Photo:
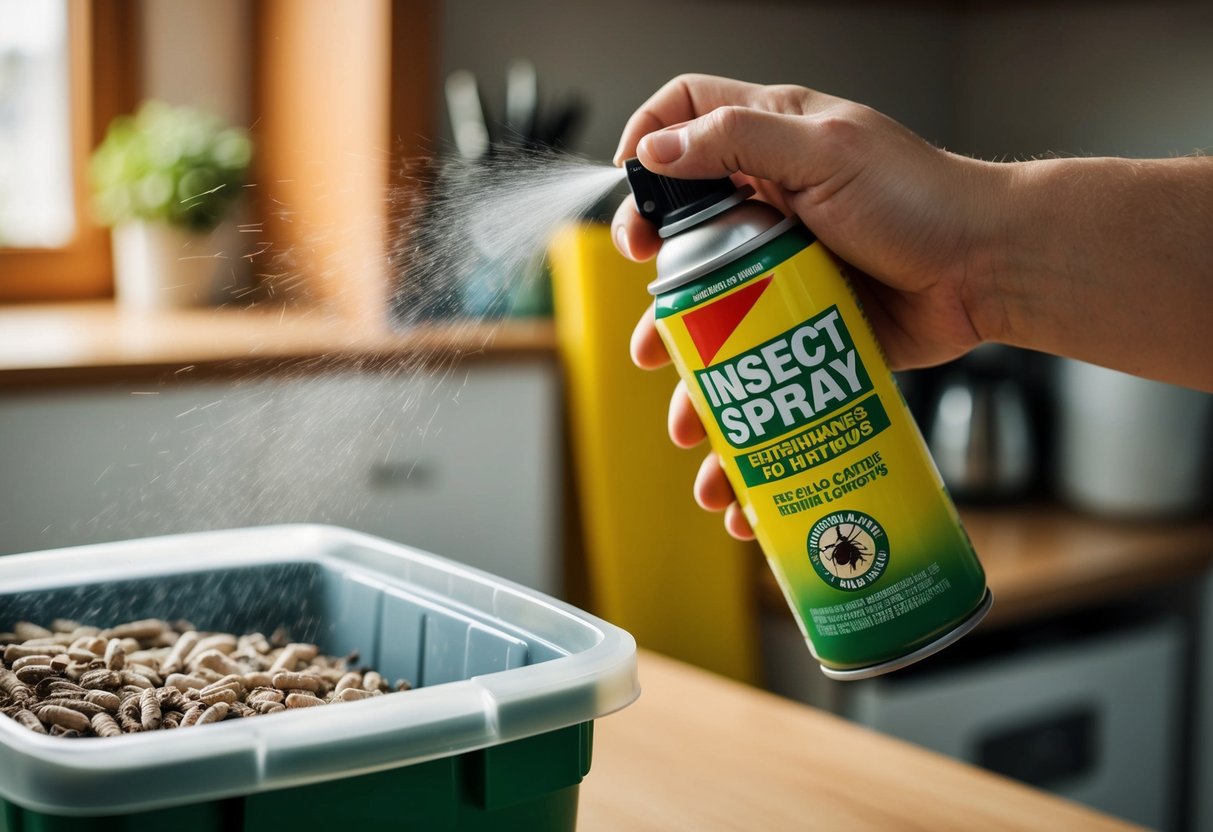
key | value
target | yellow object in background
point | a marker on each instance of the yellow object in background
(658, 565)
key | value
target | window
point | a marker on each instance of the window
(36, 208)
(66, 68)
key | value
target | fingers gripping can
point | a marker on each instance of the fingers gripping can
(810, 427)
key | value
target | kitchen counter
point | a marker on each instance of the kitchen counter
(61, 344)
(1043, 559)
(1039, 559)
(697, 751)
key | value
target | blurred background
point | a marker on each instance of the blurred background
(200, 328)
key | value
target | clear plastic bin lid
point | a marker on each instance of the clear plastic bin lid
(492, 662)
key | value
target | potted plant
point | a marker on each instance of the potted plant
(165, 179)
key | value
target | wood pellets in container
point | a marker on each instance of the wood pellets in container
(74, 680)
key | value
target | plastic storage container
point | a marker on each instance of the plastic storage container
(497, 734)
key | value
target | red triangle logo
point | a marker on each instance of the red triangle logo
(710, 326)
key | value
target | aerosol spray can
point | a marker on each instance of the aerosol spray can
(816, 440)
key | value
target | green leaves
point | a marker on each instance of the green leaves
(175, 164)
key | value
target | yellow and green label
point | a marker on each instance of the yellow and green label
(827, 463)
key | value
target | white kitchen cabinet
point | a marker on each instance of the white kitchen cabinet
(461, 463)
(89, 465)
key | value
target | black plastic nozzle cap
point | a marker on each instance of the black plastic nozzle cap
(664, 201)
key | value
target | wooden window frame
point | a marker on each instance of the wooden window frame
(368, 103)
(103, 56)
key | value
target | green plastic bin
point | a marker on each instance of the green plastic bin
(497, 735)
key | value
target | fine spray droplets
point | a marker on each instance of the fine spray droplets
(488, 222)
(458, 224)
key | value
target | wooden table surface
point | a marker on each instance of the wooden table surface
(699, 752)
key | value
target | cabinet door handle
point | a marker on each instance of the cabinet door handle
(405, 473)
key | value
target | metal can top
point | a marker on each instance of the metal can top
(713, 243)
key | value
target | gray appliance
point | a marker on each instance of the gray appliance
(1095, 719)
(980, 426)
(1130, 447)
(1203, 777)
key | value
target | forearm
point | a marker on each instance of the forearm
(1108, 261)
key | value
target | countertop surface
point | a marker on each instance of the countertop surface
(700, 752)
(1039, 558)
(1044, 558)
(94, 342)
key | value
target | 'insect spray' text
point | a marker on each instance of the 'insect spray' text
(785, 382)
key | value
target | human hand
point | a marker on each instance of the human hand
(918, 221)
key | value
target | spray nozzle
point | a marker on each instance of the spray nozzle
(674, 204)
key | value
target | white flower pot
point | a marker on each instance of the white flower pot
(161, 266)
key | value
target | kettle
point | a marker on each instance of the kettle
(981, 431)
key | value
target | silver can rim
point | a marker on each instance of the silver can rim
(664, 284)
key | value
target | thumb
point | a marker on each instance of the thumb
(734, 140)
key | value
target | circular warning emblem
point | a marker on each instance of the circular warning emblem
(848, 549)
